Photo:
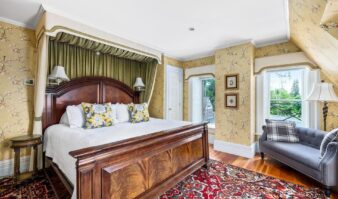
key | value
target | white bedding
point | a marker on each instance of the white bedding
(60, 139)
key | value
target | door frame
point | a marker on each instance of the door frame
(175, 69)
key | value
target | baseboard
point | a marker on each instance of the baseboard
(235, 149)
(211, 138)
(7, 166)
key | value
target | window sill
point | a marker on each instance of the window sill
(211, 126)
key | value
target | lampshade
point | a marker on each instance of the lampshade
(58, 73)
(323, 92)
(139, 82)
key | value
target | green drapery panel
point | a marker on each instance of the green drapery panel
(84, 61)
(99, 47)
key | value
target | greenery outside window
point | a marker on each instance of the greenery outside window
(285, 95)
(208, 100)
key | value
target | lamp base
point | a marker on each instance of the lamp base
(139, 89)
(325, 111)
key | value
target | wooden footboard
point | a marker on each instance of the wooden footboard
(142, 167)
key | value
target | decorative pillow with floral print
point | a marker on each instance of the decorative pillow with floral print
(138, 112)
(98, 115)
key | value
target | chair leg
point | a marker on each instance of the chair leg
(327, 191)
(262, 155)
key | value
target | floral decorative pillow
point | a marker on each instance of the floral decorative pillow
(138, 112)
(98, 115)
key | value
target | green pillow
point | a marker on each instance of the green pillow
(138, 112)
(97, 115)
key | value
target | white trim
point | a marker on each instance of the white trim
(236, 43)
(268, 43)
(16, 23)
(235, 149)
(211, 138)
(199, 71)
(282, 61)
(287, 18)
(7, 166)
(195, 56)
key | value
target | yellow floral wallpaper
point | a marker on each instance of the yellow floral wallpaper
(276, 49)
(156, 105)
(199, 62)
(308, 35)
(236, 125)
(17, 63)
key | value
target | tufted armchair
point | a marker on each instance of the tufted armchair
(305, 156)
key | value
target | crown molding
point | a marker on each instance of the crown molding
(16, 23)
(287, 18)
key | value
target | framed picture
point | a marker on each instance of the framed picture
(231, 100)
(231, 81)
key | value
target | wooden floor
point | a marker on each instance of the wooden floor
(268, 167)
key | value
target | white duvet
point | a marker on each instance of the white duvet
(60, 139)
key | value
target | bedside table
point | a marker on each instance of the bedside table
(23, 142)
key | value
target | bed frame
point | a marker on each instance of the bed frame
(140, 167)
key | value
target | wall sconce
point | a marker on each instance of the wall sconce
(58, 75)
(139, 85)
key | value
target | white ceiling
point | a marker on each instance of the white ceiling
(164, 24)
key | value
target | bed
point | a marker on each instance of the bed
(123, 161)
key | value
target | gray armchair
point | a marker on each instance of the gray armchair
(305, 156)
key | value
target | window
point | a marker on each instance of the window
(208, 100)
(281, 94)
(202, 100)
(285, 91)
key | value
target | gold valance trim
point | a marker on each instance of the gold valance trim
(57, 29)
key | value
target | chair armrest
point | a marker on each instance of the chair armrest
(263, 137)
(328, 165)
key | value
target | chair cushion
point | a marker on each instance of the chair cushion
(329, 137)
(304, 154)
(281, 131)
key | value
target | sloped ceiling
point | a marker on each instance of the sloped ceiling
(331, 12)
(329, 21)
(306, 32)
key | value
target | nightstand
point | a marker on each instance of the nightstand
(23, 142)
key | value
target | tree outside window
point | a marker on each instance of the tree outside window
(285, 95)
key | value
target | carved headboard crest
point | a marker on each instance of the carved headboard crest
(85, 89)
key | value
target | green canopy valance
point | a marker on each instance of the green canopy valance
(80, 58)
(98, 47)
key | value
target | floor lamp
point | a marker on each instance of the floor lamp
(323, 92)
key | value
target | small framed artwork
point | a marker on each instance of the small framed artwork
(231, 100)
(231, 81)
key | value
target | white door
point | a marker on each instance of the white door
(174, 91)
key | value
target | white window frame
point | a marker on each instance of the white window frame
(191, 105)
(310, 110)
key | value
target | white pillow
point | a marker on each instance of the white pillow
(122, 113)
(113, 109)
(76, 117)
(64, 119)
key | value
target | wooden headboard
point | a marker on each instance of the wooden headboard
(85, 89)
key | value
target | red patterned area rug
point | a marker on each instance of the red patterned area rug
(37, 188)
(226, 181)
